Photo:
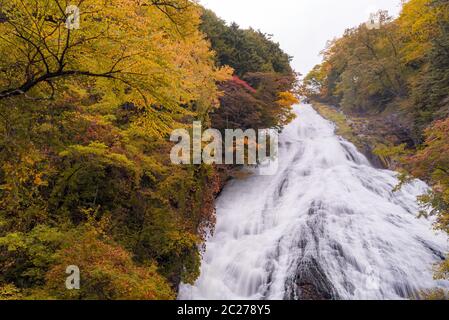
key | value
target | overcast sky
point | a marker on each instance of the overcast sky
(302, 27)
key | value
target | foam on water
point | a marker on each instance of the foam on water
(327, 223)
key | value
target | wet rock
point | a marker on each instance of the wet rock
(374, 159)
(310, 283)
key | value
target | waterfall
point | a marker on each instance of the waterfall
(328, 225)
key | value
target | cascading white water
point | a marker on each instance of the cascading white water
(327, 225)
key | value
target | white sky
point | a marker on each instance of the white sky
(302, 27)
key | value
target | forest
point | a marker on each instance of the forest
(85, 118)
(396, 77)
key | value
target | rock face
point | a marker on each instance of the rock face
(374, 159)
(377, 130)
(368, 131)
(310, 283)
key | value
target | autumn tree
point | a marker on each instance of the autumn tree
(84, 118)
(124, 49)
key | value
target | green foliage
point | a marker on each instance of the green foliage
(26, 256)
(263, 89)
(244, 50)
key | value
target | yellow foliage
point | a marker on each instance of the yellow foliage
(287, 99)
(138, 54)
(418, 23)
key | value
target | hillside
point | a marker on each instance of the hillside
(86, 114)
